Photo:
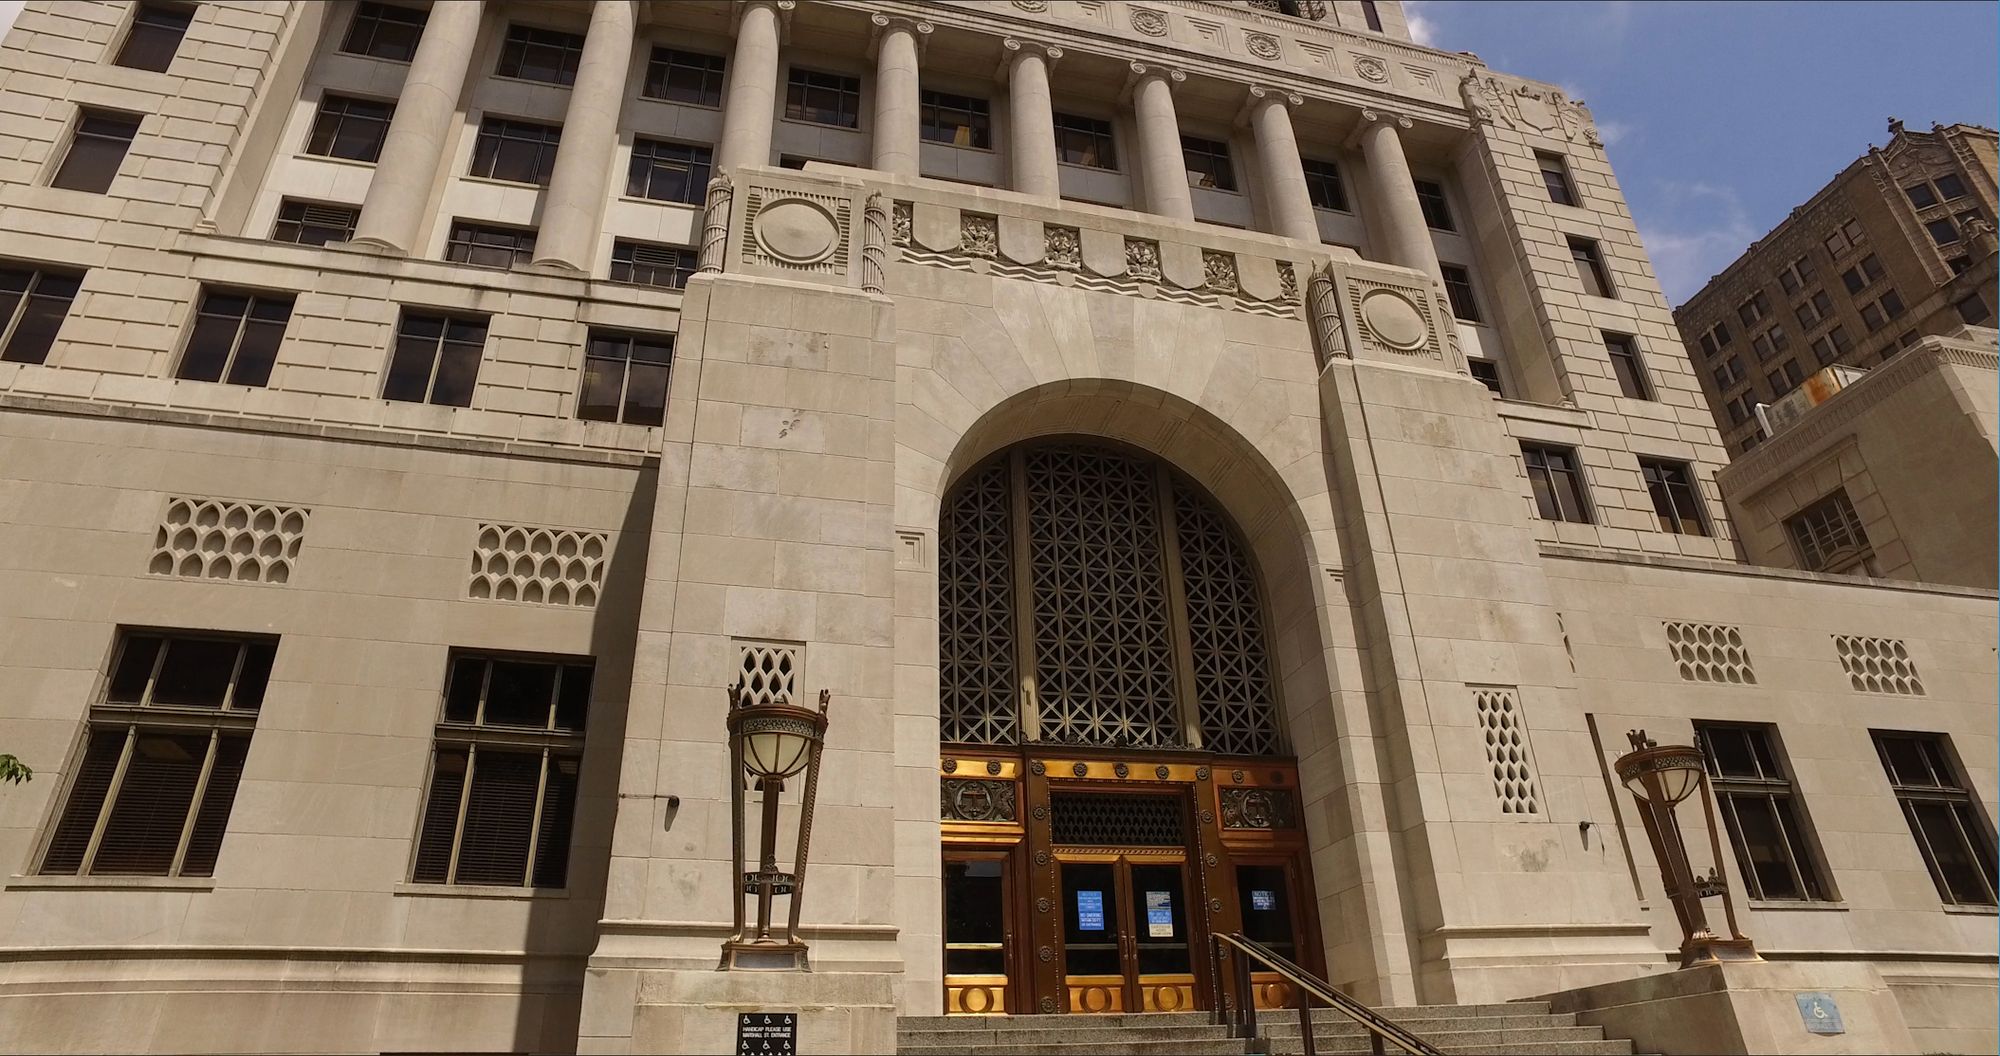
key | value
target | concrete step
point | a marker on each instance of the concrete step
(1095, 1046)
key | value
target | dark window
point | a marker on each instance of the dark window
(1937, 803)
(960, 120)
(1487, 373)
(96, 150)
(1458, 289)
(1972, 310)
(1084, 141)
(384, 31)
(540, 55)
(515, 151)
(1555, 176)
(1323, 185)
(1760, 808)
(823, 98)
(235, 337)
(156, 34)
(1437, 212)
(33, 303)
(644, 264)
(1675, 497)
(1829, 538)
(489, 245)
(684, 77)
(152, 793)
(1950, 186)
(1371, 15)
(1920, 195)
(1557, 483)
(1207, 163)
(436, 359)
(1590, 268)
(625, 378)
(353, 129)
(668, 172)
(504, 772)
(1943, 231)
(1625, 365)
(308, 224)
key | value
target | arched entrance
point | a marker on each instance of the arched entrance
(1116, 779)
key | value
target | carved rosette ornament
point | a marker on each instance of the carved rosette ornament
(874, 244)
(1142, 259)
(1062, 247)
(1219, 271)
(976, 800)
(1257, 808)
(715, 223)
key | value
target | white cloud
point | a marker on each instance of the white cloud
(1422, 29)
(1686, 255)
(9, 10)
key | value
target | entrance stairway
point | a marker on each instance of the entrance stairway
(1519, 1027)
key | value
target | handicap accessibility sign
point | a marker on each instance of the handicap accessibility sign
(1820, 1014)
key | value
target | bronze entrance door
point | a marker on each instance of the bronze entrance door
(1128, 943)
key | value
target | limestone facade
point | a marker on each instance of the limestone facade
(848, 341)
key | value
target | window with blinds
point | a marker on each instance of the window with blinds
(504, 772)
(151, 794)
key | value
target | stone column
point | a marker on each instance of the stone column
(573, 207)
(1290, 204)
(753, 86)
(415, 145)
(897, 96)
(1406, 239)
(1031, 152)
(1160, 155)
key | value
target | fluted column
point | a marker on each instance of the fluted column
(573, 208)
(1031, 151)
(1160, 156)
(1284, 172)
(1406, 239)
(415, 144)
(753, 86)
(897, 95)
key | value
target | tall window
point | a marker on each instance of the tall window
(1458, 290)
(1557, 483)
(1625, 366)
(515, 151)
(823, 98)
(489, 245)
(1207, 163)
(96, 150)
(1937, 803)
(1829, 537)
(1555, 177)
(669, 172)
(151, 795)
(436, 359)
(1590, 268)
(1323, 185)
(540, 55)
(1437, 211)
(33, 303)
(312, 224)
(1084, 141)
(236, 337)
(960, 120)
(351, 129)
(504, 772)
(1676, 500)
(156, 34)
(385, 31)
(1760, 808)
(684, 77)
(625, 378)
(647, 264)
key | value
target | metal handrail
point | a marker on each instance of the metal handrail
(1242, 1012)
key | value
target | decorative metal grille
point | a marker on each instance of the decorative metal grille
(976, 676)
(1099, 819)
(1232, 672)
(1104, 659)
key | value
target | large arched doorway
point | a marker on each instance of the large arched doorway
(1117, 783)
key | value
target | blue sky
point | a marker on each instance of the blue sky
(1720, 117)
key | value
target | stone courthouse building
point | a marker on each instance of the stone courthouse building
(1225, 460)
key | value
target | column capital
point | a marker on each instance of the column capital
(885, 24)
(1016, 49)
(783, 8)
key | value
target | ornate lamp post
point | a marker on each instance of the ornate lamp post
(1660, 777)
(768, 743)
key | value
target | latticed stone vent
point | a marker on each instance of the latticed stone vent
(769, 673)
(1710, 652)
(220, 539)
(542, 566)
(1878, 665)
(1506, 750)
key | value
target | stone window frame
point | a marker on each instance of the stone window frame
(1765, 782)
(935, 110)
(331, 118)
(1676, 495)
(1460, 294)
(491, 146)
(522, 42)
(153, 35)
(626, 255)
(242, 343)
(598, 346)
(653, 161)
(1935, 778)
(710, 73)
(299, 213)
(21, 311)
(1098, 133)
(372, 18)
(94, 130)
(1325, 186)
(1627, 366)
(805, 83)
(1557, 180)
(432, 352)
(473, 242)
(1570, 500)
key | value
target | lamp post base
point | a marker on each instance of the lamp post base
(764, 957)
(1709, 949)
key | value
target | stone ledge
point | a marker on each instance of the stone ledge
(1730, 568)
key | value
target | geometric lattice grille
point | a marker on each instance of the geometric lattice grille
(1102, 819)
(1878, 665)
(976, 679)
(1232, 673)
(1710, 652)
(1506, 751)
(1104, 658)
